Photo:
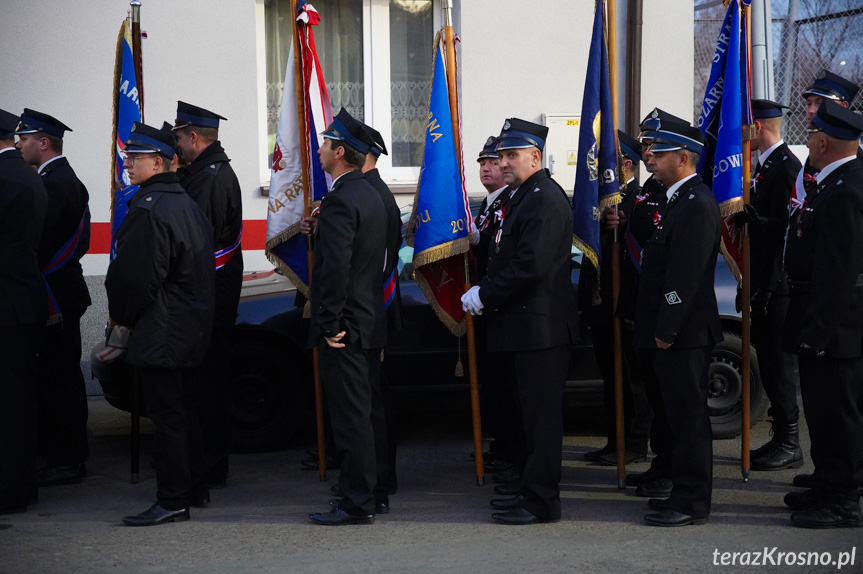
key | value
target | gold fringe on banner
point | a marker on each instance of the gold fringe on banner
(277, 240)
(456, 328)
(439, 252)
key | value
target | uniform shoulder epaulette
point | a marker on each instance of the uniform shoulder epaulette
(149, 201)
(212, 168)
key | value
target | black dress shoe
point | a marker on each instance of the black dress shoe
(831, 516)
(505, 477)
(510, 489)
(670, 517)
(659, 488)
(381, 507)
(156, 515)
(805, 481)
(507, 503)
(57, 475)
(520, 517)
(593, 455)
(339, 516)
(200, 499)
(806, 499)
(658, 504)
(312, 463)
(637, 478)
(498, 466)
(629, 457)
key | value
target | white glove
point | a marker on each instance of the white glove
(470, 301)
(474, 232)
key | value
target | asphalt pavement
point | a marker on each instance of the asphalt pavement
(440, 519)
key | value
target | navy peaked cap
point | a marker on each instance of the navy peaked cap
(348, 130)
(516, 134)
(189, 115)
(147, 139)
(378, 147)
(629, 147)
(833, 87)
(8, 124)
(33, 121)
(489, 149)
(764, 109)
(838, 121)
(655, 119)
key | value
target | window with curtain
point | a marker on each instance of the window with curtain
(348, 51)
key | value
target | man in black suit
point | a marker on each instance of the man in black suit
(600, 314)
(210, 181)
(677, 321)
(62, 394)
(529, 304)
(161, 285)
(348, 316)
(824, 326)
(767, 216)
(23, 312)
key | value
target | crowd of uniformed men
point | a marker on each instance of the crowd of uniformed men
(175, 283)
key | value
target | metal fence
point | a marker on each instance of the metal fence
(808, 37)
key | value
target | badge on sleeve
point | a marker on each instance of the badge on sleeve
(673, 298)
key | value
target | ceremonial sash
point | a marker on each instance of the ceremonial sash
(634, 249)
(224, 255)
(61, 258)
(798, 194)
(390, 289)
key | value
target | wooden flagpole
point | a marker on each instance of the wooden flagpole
(746, 279)
(452, 89)
(136, 52)
(299, 84)
(620, 433)
(136, 383)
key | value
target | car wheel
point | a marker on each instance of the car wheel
(267, 398)
(725, 388)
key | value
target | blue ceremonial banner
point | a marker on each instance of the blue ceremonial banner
(597, 183)
(441, 215)
(725, 109)
(127, 111)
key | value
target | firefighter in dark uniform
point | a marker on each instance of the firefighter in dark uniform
(23, 312)
(161, 284)
(677, 320)
(636, 410)
(499, 402)
(767, 216)
(62, 393)
(824, 326)
(348, 315)
(833, 87)
(529, 303)
(210, 181)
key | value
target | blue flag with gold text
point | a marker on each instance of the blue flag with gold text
(597, 183)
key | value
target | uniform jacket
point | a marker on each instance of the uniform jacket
(770, 191)
(67, 204)
(162, 280)
(350, 239)
(527, 293)
(676, 300)
(825, 253)
(211, 182)
(641, 210)
(394, 241)
(486, 221)
(23, 203)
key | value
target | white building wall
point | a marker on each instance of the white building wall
(517, 59)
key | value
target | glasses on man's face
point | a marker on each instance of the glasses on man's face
(130, 159)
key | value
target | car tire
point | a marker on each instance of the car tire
(267, 397)
(725, 386)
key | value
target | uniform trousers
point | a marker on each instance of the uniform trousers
(18, 344)
(832, 391)
(62, 394)
(345, 377)
(661, 437)
(499, 403)
(540, 377)
(382, 417)
(214, 404)
(177, 449)
(682, 378)
(773, 362)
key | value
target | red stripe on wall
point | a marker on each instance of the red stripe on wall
(254, 235)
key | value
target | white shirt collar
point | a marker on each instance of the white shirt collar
(822, 175)
(763, 157)
(492, 196)
(340, 177)
(7, 148)
(42, 167)
(630, 180)
(677, 185)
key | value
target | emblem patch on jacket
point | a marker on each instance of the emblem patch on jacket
(673, 298)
